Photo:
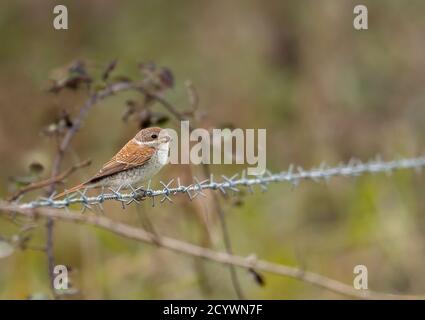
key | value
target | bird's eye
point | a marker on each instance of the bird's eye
(154, 136)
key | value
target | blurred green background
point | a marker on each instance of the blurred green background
(324, 91)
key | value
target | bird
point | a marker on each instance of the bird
(138, 161)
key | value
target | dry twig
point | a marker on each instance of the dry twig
(47, 182)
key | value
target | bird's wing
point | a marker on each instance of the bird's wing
(130, 156)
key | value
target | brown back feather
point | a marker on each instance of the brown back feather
(130, 156)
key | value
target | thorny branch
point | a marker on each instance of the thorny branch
(249, 263)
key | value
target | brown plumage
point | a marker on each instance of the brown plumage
(140, 159)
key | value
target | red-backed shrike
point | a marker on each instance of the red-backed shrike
(138, 161)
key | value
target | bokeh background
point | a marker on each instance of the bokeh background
(324, 91)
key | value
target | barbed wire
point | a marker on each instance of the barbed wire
(225, 184)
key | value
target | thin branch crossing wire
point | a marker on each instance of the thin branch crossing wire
(225, 184)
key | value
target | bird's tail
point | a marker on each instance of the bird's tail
(80, 186)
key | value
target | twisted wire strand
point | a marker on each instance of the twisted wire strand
(353, 168)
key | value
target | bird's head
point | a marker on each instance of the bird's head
(152, 137)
